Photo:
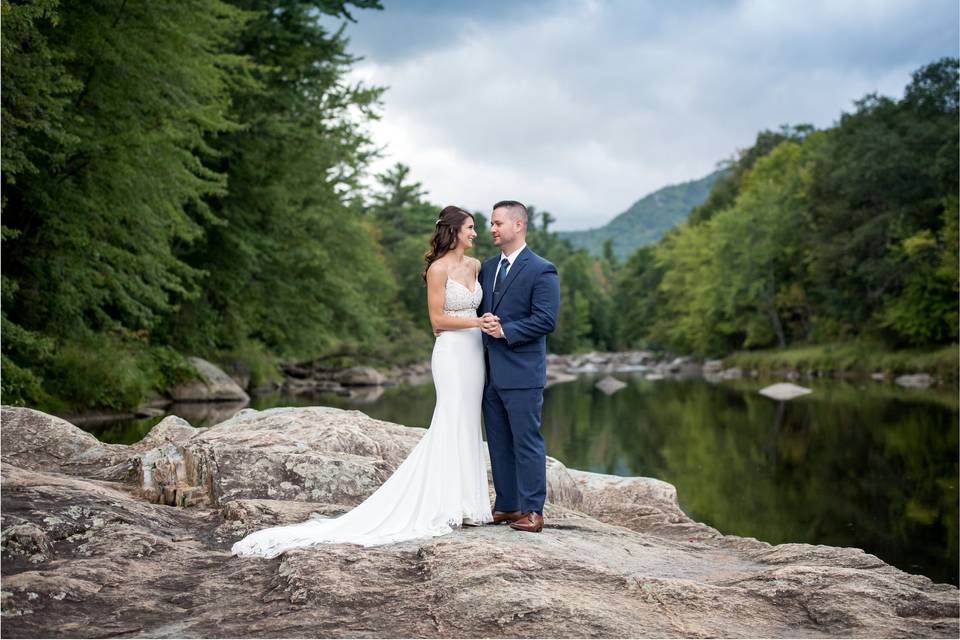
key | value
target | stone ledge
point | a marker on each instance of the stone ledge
(88, 556)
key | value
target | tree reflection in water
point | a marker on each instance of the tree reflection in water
(845, 466)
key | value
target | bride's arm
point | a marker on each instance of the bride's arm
(436, 295)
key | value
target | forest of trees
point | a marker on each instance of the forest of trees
(816, 236)
(189, 179)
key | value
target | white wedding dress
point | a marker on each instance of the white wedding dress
(443, 481)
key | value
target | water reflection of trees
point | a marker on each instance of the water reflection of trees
(873, 472)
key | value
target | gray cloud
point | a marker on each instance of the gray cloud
(583, 106)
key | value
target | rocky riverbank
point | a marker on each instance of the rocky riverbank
(311, 378)
(656, 366)
(133, 540)
(216, 396)
(363, 382)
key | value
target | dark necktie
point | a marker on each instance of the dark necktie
(501, 274)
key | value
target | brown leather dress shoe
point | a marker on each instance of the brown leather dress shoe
(499, 517)
(532, 522)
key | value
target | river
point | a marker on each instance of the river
(853, 464)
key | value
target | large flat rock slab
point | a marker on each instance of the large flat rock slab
(85, 556)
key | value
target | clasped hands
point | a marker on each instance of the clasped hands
(490, 325)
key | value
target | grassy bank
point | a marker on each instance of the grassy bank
(852, 357)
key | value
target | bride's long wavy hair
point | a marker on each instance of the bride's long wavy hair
(444, 235)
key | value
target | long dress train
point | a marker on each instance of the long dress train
(442, 482)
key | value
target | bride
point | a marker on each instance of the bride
(443, 482)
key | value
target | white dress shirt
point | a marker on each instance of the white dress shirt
(510, 259)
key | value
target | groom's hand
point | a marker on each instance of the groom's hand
(490, 325)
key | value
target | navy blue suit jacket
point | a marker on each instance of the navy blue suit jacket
(528, 305)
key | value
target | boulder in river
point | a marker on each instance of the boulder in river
(361, 377)
(214, 385)
(784, 391)
(915, 381)
(610, 385)
(712, 366)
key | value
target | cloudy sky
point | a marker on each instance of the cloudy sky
(581, 107)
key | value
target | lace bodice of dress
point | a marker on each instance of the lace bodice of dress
(460, 301)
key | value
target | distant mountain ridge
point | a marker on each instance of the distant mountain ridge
(647, 220)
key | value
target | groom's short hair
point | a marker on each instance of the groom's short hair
(516, 209)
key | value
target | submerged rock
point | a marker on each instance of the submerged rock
(784, 391)
(915, 381)
(88, 556)
(610, 385)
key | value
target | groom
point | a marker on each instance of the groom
(521, 298)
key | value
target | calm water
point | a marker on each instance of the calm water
(861, 465)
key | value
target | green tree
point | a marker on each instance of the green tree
(690, 319)
(405, 222)
(483, 247)
(587, 319)
(288, 264)
(728, 185)
(925, 310)
(638, 294)
(849, 232)
(881, 178)
(759, 246)
(573, 323)
(107, 108)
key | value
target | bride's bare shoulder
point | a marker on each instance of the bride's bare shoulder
(475, 264)
(437, 269)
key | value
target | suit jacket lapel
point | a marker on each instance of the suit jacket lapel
(487, 284)
(517, 267)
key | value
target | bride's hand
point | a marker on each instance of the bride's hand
(489, 323)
